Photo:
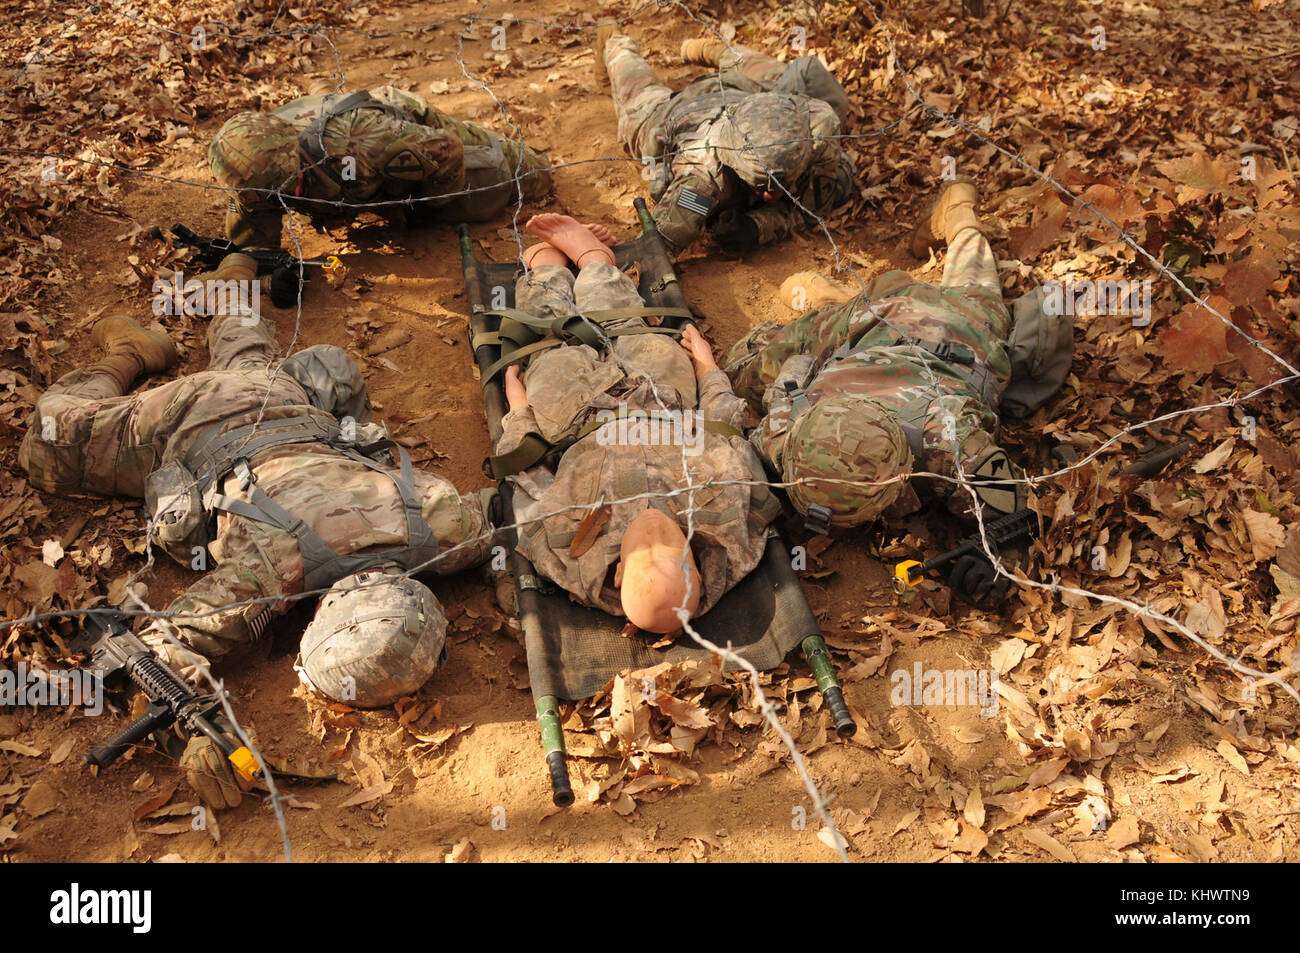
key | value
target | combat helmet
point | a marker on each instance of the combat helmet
(766, 136)
(376, 637)
(846, 437)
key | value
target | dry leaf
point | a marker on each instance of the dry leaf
(589, 530)
(1122, 833)
(372, 793)
(1050, 844)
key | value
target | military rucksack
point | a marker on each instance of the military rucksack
(1041, 349)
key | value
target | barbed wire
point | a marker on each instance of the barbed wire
(961, 479)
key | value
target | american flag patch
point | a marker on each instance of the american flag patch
(694, 202)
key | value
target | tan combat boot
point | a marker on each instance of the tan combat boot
(705, 51)
(234, 267)
(131, 350)
(603, 32)
(953, 210)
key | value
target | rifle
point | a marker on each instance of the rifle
(118, 655)
(281, 266)
(1020, 525)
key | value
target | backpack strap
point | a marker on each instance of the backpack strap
(311, 140)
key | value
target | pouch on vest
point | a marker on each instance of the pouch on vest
(171, 498)
(1041, 349)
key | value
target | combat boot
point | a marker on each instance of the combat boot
(131, 350)
(603, 32)
(234, 267)
(953, 210)
(704, 51)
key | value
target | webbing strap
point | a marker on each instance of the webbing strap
(528, 350)
(532, 449)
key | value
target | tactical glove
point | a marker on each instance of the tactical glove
(211, 775)
(974, 577)
(735, 232)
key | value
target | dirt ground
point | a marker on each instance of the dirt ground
(1165, 755)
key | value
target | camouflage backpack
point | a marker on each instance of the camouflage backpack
(1041, 349)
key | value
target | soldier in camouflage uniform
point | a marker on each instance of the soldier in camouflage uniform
(860, 394)
(90, 435)
(634, 567)
(321, 154)
(726, 155)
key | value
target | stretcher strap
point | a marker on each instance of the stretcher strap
(528, 350)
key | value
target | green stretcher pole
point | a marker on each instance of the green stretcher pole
(819, 660)
(643, 213)
(548, 719)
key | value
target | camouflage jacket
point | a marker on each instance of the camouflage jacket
(428, 154)
(934, 357)
(729, 521)
(693, 185)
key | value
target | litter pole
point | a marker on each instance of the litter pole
(819, 660)
(548, 719)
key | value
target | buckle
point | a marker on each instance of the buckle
(818, 520)
(244, 472)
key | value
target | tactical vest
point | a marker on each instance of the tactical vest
(184, 498)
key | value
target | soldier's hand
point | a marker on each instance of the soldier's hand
(211, 775)
(974, 577)
(735, 232)
(699, 350)
(516, 393)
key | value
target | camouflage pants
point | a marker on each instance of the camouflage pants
(563, 382)
(87, 436)
(640, 96)
(970, 269)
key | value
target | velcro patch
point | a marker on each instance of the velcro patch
(693, 201)
(404, 165)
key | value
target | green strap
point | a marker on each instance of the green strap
(531, 450)
(485, 339)
(517, 355)
(620, 314)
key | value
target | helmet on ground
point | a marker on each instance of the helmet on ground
(766, 137)
(847, 437)
(255, 150)
(331, 378)
(376, 637)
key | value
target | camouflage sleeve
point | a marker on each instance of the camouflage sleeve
(831, 176)
(515, 425)
(410, 155)
(254, 222)
(205, 617)
(815, 333)
(955, 425)
(682, 211)
(239, 340)
(718, 402)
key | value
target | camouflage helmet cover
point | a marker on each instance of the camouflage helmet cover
(846, 437)
(766, 134)
(254, 150)
(376, 637)
(331, 378)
